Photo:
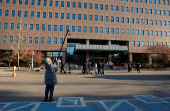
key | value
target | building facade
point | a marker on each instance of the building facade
(99, 28)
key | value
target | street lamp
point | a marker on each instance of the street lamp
(67, 33)
(32, 59)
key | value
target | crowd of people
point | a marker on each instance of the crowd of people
(88, 67)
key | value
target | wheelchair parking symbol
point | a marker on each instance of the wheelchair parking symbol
(71, 102)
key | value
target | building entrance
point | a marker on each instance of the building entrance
(97, 59)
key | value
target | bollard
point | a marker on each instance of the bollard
(14, 74)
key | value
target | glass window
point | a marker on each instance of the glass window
(0, 25)
(143, 44)
(37, 26)
(141, 10)
(156, 33)
(91, 6)
(31, 26)
(107, 18)
(13, 13)
(85, 29)
(25, 14)
(147, 33)
(4, 39)
(138, 43)
(101, 18)
(74, 4)
(90, 29)
(122, 19)
(55, 40)
(25, 26)
(43, 27)
(101, 30)
(161, 43)
(36, 40)
(42, 40)
(150, 1)
(131, 9)
(45, 3)
(117, 30)
(18, 26)
(111, 7)
(163, 12)
(19, 13)
(61, 40)
(165, 44)
(32, 2)
(164, 23)
(121, 8)
(14, 1)
(55, 27)
(96, 29)
(137, 21)
(85, 17)
(151, 22)
(68, 4)
(90, 17)
(163, 2)
(132, 20)
(32, 14)
(155, 22)
(117, 8)
(101, 6)
(136, 10)
(165, 34)
(137, 32)
(106, 7)
(117, 19)
(160, 23)
(159, 12)
(154, 1)
(5, 25)
(127, 9)
(50, 15)
(123, 31)
(61, 27)
(107, 30)
(146, 11)
(145, 1)
(20, 1)
(30, 39)
(96, 6)
(56, 15)
(0, 12)
(85, 5)
(62, 15)
(141, 21)
(17, 39)
(168, 13)
(39, 2)
(38, 14)
(133, 43)
(168, 23)
(151, 32)
(67, 28)
(73, 28)
(44, 14)
(68, 16)
(49, 40)
(127, 31)
(24, 39)
(56, 3)
(127, 20)
(132, 31)
(11, 39)
(167, 2)
(12, 25)
(142, 32)
(79, 5)
(146, 21)
(79, 28)
(6, 12)
(79, 16)
(169, 34)
(73, 16)
(147, 43)
(154, 12)
(150, 11)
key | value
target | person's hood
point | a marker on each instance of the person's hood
(48, 61)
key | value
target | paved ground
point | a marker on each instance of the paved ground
(116, 90)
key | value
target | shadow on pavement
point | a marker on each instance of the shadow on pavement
(134, 77)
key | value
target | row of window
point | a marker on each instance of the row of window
(90, 29)
(68, 4)
(50, 14)
(147, 44)
(30, 40)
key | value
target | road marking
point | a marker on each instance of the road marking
(104, 106)
(136, 108)
(5, 106)
(35, 107)
(21, 107)
(115, 105)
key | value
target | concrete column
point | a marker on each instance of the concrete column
(109, 56)
(109, 42)
(87, 56)
(64, 57)
(87, 42)
(129, 57)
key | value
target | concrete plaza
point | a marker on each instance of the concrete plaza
(114, 85)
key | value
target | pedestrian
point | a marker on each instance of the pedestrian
(89, 67)
(129, 68)
(50, 79)
(103, 68)
(62, 67)
(84, 68)
(95, 68)
(99, 67)
(70, 67)
(138, 67)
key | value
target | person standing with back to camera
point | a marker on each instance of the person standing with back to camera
(50, 79)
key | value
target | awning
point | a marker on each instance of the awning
(84, 47)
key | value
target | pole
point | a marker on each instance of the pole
(32, 62)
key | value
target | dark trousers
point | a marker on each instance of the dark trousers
(99, 71)
(51, 89)
(138, 69)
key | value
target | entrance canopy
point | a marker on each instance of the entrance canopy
(84, 47)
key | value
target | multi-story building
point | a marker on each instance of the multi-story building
(99, 28)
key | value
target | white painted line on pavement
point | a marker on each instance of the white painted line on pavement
(36, 106)
(5, 106)
(136, 108)
(21, 107)
(115, 105)
(104, 106)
